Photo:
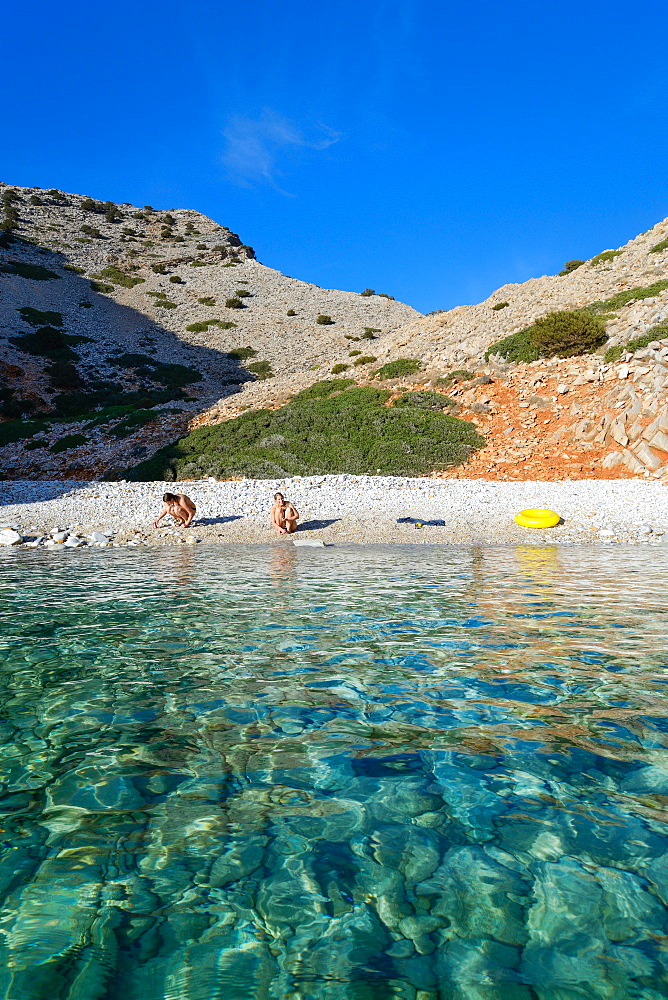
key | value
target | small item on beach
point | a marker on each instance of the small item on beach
(416, 522)
(309, 543)
(537, 517)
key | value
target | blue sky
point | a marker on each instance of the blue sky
(430, 150)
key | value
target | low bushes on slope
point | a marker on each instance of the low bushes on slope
(560, 334)
(659, 332)
(334, 426)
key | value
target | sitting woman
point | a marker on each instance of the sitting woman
(284, 515)
(180, 507)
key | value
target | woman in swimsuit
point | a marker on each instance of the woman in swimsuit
(181, 508)
(284, 515)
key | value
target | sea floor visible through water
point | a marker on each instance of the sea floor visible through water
(352, 773)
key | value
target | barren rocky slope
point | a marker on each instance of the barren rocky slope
(127, 291)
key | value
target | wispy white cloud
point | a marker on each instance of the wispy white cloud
(255, 147)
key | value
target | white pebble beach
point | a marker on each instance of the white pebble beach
(336, 509)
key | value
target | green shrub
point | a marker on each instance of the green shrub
(324, 320)
(176, 280)
(241, 353)
(365, 360)
(19, 430)
(73, 267)
(570, 266)
(243, 293)
(368, 291)
(230, 263)
(35, 200)
(660, 247)
(399, 368)
(159, 268)
(158, 371)
(199, 263)
(31, 271)
(234, 303)
(38, 318)
(500, 305)
(67, 442)
(605, 256)
(332, 427)
(658, 332)
(101, 286)
(90, 205)
(369, 333)
(33, 445)
(337, 369)
(113, 214)
(164, 303)
(561, 334)
(623, 298)
(353, 354)
(119, 277)
(91, 231)
(458, 375)
(204, 325)
(261, 370)
(207, 300)
(384, 295)
(291, 312)
(424, 400)
(129, 424)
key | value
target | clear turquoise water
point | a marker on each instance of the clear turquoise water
(431, 774)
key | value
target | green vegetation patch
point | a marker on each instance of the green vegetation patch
(560, 334)
(324, 320)
(606, 255)
(134, 420)
(623, 298)
(32, 271)
(399, 368)
(458, 375)
(424, 400)
(370, 333)
(234, 303)
(101, 286)
(337, 369)
(332, 427)
(365, 359)
(500, 305)
(241, 353)
(157, 371)
(119, 277)
(37, 317)
(19, 430)
(261, 370)
(659, 332)
(204, 325)
(660, 247)
(207, 300)
(571, 265)
(67, 442)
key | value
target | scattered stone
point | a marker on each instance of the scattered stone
(10, 537)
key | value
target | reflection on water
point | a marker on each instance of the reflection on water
(428, 774)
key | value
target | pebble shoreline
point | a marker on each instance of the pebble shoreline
(336, 509)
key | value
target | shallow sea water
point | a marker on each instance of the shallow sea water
(262, 772)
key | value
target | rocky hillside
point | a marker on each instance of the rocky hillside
(119, 324)
(123, 328)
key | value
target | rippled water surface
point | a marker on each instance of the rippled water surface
(421, 773)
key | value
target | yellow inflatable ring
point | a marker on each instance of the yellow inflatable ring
(537, 518)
